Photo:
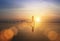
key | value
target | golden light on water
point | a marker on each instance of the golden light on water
(52, 35)
(6, 35)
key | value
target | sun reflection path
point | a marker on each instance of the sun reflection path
(35, 22)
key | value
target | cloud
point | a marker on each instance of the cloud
(19, 3)
(25, 7)
(6, 4)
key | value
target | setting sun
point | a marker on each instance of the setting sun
(37, 19)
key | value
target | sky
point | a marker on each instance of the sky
(26, 8)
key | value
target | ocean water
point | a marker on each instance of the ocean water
(43, 32)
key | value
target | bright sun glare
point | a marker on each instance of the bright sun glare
(37, 19)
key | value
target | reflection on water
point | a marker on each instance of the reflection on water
(22, 32)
